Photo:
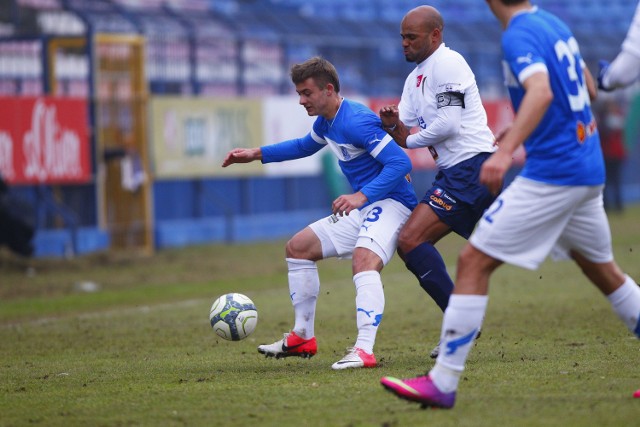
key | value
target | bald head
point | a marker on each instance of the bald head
(421, 31)
(426, 17)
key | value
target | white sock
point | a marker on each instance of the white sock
(369, 308)
(304, 287)
(460, 325)
(626, 303)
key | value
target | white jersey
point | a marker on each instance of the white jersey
(631, 43)
(625, 68)
(442, 98)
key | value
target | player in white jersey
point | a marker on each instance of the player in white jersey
(441, 97)
(625, 68)
(555, 204)
(364, 225)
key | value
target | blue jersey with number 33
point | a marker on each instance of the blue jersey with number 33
(565, 147)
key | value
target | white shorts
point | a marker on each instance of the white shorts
(376, 227)
(531, 219)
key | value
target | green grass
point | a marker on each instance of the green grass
(140, 351)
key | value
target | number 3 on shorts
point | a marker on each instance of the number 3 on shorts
(374, 215)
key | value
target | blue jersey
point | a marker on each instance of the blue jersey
(369, 158)
(565, 147)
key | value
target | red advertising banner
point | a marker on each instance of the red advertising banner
(44, 140)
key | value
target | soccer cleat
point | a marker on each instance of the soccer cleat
(435, 352)
(637, 393)
(356, 358)
(419, 389)
(290, 345)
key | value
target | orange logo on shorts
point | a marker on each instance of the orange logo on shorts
(440, 203)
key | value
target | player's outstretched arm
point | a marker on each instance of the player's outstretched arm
(242, 155)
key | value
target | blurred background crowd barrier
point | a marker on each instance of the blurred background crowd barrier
(115, 114)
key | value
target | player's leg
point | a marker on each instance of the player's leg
(415, 245)
(369, 309)
(464, 316)
(455, 202)
(302, 251)
(510, 231)
(587, 239)
(460, 326)
(376, 244)
(621, 290)
(324, 238)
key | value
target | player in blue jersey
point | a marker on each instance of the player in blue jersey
(441, 98)
(364, 225)
(555, 204)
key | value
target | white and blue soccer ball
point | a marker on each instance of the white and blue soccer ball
(233, 316)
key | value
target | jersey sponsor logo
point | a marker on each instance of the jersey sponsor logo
(438, 203)
(422, 123)
(419, 80)
(438, 191)
(449, 198)
(581, 132)
(584, 131)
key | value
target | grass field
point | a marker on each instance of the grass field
(137, 349)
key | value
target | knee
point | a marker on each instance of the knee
(293, 249)
(474, 263)
(365, 260)
(406, 242)
(466, 255)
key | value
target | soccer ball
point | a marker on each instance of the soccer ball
(233, 316)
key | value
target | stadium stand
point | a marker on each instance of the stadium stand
(241, 48)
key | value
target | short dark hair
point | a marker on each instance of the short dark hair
(512, 2)
(319, 69)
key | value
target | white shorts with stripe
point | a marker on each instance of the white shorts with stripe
(375, 227)
(531, 220)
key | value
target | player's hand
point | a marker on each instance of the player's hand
(494, 169)
(389, 115)
(344, 204)
(241, 155)
(602, 69)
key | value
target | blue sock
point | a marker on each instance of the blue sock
(426, 263)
